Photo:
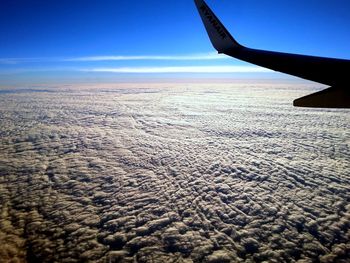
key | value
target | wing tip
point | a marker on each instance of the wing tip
(218, 34)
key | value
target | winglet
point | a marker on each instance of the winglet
(333, 97)
(218, 34)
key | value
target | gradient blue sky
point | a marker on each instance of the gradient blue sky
(65, 39)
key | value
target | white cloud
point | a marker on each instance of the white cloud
(207, 56)
(189, 57)
(182, 69)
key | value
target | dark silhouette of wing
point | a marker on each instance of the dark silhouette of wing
(329, 71)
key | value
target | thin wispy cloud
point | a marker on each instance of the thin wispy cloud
(189, 57)
(8, 61)
(183, 69)
(208, 56)
(14, 61)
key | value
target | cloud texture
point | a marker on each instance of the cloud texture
(172, 173)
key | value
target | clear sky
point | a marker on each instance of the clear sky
(63, 39)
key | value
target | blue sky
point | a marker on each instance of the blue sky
(93, 39)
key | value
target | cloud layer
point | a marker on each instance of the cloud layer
(172, 173)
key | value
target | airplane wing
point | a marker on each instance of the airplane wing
(329, 71)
